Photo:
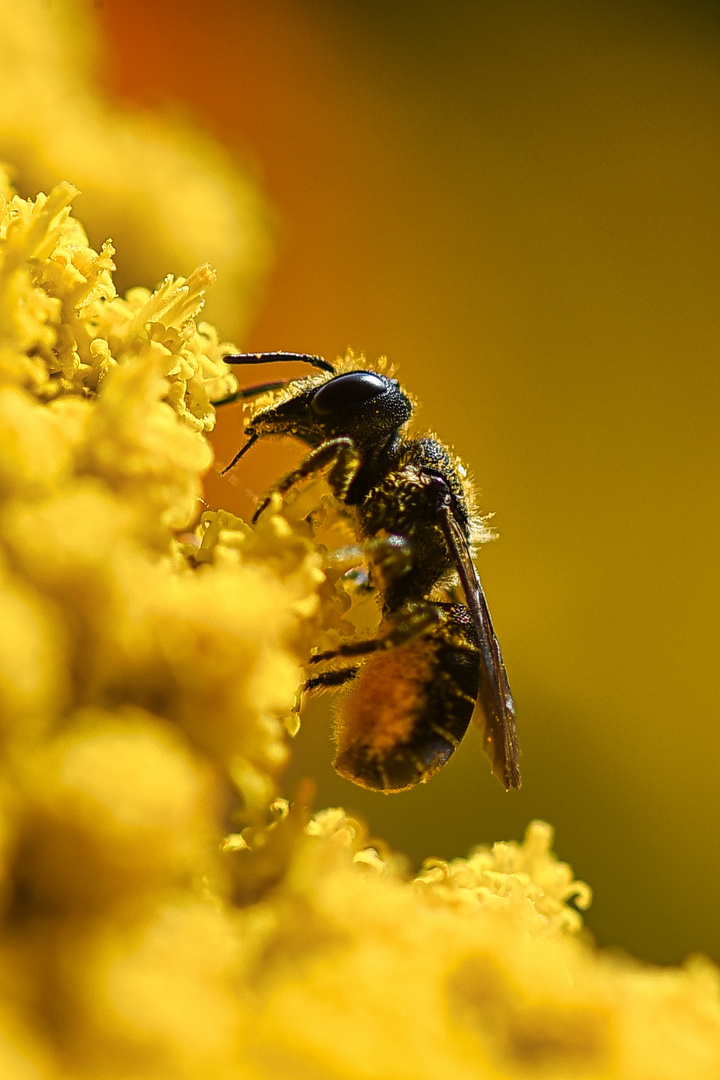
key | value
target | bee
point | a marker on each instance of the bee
(416, 683)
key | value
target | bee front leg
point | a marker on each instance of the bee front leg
(340, 454)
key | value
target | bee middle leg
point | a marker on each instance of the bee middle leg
(390, 557)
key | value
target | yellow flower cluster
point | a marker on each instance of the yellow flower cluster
(148, 664)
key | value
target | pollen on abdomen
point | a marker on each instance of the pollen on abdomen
(383, 707)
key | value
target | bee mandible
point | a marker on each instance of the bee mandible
(416, 682)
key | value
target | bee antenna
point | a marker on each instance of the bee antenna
(241, 452)
(278, 357)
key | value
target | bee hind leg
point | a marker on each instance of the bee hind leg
(327, 679)
(401, 627)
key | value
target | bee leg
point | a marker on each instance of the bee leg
(391, 552)
(345, 558)
(391, 557)
(405, 625)
(327, 679)
(324, 680)
(358, 579)
(340, 454)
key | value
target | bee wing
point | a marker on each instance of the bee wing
(495, 699)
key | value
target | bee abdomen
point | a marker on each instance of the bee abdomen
(409, 708)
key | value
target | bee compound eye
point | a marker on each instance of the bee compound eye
(347, 391)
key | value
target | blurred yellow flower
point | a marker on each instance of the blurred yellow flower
(163, 915)
(140, 171)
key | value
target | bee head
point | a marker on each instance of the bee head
(366, 406)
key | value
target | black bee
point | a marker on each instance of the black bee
(417, 681)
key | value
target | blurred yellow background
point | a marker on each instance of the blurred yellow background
(518, 203)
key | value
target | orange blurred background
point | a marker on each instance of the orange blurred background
(519, 205)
